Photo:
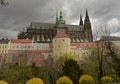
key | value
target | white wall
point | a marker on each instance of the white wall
(29, 46)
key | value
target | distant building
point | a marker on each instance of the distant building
(110, 38)
(4, 45)
(45, 32)
(115, 40)
(38, 53)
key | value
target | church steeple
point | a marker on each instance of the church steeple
(61, 16)
(87, 16)
(81, 21)
(87, 28)
(61, 20)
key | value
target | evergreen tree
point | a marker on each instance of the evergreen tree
(71, 69)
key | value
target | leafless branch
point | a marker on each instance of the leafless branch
(4, 3)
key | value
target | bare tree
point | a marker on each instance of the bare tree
(99, 53)
(4, 2)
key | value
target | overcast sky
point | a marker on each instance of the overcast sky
(20, 13)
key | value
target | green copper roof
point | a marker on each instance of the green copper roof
(77, 40)
(81, 40)
(61, 20)
(74, 40)
(86, 40)
(48, 40)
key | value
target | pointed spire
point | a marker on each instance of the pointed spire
(86, 13)
(81, 21)
(87, 16)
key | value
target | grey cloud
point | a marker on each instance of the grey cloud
(20, 13)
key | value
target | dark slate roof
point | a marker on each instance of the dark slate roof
(38, 25)
(4, 41)
(110, 38)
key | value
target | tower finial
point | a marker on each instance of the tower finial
(81, 21)
(61, 20)
(61, 16)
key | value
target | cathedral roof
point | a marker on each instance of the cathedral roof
(61, 34)
(38, 25)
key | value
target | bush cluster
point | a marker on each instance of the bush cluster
(35, 81)
(106, 79)
(64, 80)
(86, 79)
(3, 82)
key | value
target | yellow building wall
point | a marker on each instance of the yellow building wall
(60, 47)
(4, 48)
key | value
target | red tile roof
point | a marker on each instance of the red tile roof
(83, 44)
(21, 41)
(61, 34)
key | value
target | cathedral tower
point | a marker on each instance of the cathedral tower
(87, 28)
(81, 21)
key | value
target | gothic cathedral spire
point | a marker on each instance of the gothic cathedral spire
(87, 28)
(81, 21)
(87, 16)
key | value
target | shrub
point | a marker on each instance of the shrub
(64, 80)
(3, 82)
(35, 81)
(106, 79)
(86, 79)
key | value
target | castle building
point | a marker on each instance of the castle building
(36, 53)
(46, 53)
(4, 46)
(45, 32)
(42, 43)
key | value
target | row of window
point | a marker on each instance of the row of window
(28, 47)
(20, 46)
(3, 51)
(1, 47)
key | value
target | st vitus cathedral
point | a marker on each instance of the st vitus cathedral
(45, 32)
